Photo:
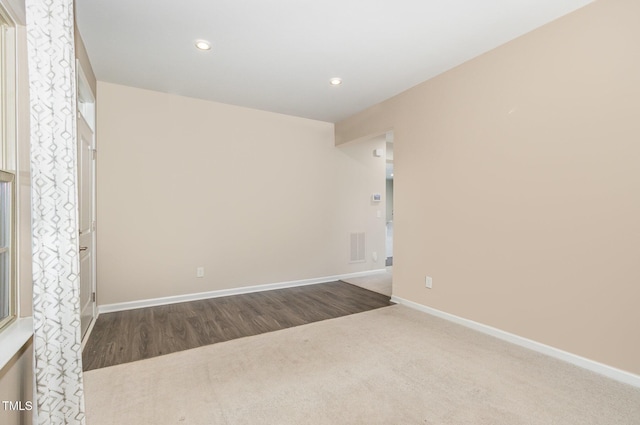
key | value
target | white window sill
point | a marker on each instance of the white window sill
(13, 338)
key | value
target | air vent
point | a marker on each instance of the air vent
(357, 247)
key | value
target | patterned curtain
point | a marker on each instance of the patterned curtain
(56, 302)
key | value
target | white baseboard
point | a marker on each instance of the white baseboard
(600, 368)
(131, 305)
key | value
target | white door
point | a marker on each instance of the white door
(86, 175)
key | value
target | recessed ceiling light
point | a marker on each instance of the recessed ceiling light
(203, 45)
(335, 81)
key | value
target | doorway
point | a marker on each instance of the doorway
(371, 204)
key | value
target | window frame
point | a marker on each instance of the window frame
(9, 179)
(8, 155)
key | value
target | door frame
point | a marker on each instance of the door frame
(86, 109)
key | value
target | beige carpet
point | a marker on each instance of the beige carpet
(380, 283)
(387, 366)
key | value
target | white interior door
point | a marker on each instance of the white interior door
(86, 175)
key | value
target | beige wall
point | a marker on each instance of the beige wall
(517, 185)
(14, 387)
(252, 196)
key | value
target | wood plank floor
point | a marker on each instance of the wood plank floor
(132, 335)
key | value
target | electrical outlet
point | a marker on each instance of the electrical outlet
(374, 256)
(428, 282)
(200, 272)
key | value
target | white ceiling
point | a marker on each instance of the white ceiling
(279, 55)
